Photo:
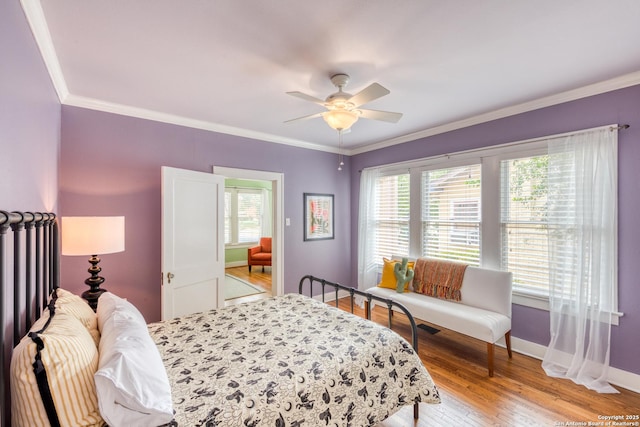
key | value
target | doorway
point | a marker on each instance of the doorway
(277, 214)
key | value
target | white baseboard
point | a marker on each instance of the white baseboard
(618, 377)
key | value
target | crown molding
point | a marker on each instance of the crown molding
(37, 22)
(621, 82)
(142, 113)
(35, 16)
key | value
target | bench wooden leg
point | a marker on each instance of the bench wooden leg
(416, 411)
(507, 340)
(490, 350)
(366, 310)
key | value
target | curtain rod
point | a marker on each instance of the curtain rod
(619, 127)
(409, 163)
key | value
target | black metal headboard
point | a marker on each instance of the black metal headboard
(29, 271)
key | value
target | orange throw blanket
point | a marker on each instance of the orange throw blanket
(437, 278)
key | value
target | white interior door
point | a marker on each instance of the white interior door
(192, 242)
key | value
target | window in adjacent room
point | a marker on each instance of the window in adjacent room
(243, 215)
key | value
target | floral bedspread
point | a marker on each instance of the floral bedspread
(287, 361)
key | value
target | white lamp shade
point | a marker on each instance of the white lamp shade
(92, 235)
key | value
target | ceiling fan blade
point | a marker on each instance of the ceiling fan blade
(385, 116)
(307, 97)
(368, 94)
(311, 116)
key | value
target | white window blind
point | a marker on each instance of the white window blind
(249, 216)
(392, 216)
(243, 215)
(451, 214)
(524, 225)
(227, 217)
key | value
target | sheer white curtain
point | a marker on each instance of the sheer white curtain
(582, 247)
(367, 268)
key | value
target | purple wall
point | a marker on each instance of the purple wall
(621, 106)
(110, 165)
(29, 137)
(29, 119)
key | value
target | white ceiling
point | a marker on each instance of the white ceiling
(225, 65)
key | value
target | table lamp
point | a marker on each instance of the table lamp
(93, 236)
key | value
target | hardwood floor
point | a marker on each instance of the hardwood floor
(519, 394)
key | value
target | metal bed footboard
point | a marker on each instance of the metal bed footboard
(368, 298)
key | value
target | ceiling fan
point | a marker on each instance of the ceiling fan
(342, 107)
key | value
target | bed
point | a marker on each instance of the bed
(285, 361)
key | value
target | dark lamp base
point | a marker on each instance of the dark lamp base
(94, 283)
(92, 296)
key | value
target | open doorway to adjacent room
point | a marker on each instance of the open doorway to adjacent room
(252, 207)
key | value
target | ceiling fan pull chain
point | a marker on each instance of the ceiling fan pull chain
(340, 158)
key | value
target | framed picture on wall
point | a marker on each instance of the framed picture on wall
(318, 216)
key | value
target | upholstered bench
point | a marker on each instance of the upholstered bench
(483, 312)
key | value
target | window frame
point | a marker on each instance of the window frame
(234, 218)
(490, 221)
(448, 164)
(521, 297)
(392, 173)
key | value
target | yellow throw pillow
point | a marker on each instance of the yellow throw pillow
(388, 276)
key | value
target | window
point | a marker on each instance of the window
(242, 216)
(451, 214)
(487, 207)
(392, 216)
(523, 223)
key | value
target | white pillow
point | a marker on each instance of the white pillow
(111, 303)
(131, 381)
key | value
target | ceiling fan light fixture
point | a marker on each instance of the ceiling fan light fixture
(343, 109)
(340, 120)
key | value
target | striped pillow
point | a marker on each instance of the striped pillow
(70, 359)
(71, 303)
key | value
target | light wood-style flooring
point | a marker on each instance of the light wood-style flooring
(519, 394)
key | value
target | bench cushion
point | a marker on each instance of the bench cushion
(479, 323)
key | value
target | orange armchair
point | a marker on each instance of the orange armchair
(261, 254)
